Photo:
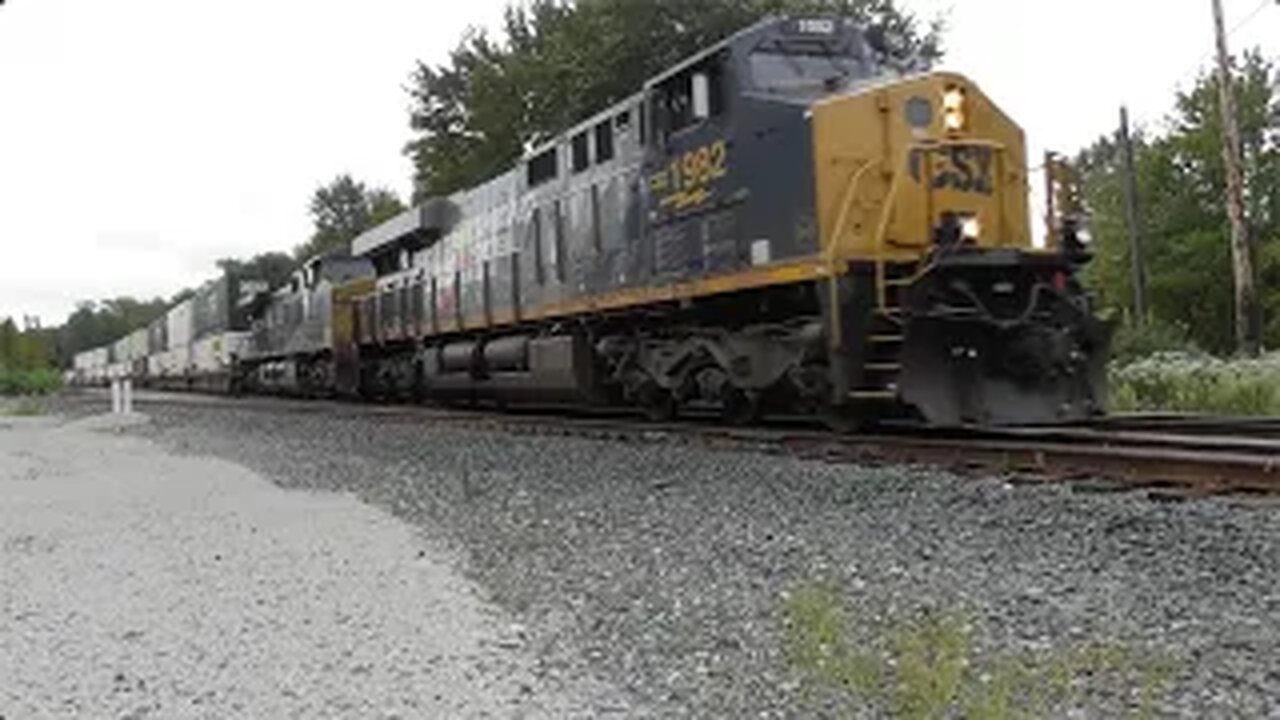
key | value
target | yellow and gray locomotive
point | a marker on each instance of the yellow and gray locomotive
(780, 223)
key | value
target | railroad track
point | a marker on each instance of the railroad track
(1193, 424)
(1165, 454)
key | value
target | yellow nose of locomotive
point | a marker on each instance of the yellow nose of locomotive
(918, 162)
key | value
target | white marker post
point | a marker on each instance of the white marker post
(115, 396)
(127, 405)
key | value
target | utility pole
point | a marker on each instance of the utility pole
(1052, 240)
(1137, 266)
(1241, 258)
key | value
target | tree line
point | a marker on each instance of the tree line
(1182, 215)
(340, 210)
(23, 349)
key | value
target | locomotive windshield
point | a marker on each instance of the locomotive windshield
(791, 73)
(806, 66)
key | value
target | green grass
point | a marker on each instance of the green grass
(1191, 382)
(930, 667)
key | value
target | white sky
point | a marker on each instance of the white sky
(140, 140)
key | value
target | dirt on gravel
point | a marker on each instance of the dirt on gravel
(673, 572)
(136, 583)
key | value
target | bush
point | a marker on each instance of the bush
(40, 381)
(1195, 382)
(1131, 343)
(930, 667)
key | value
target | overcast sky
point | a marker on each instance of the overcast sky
(140, 140)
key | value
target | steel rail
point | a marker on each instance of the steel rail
(1168, 461)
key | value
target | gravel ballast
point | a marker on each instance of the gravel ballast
(140, 584)
(661, 569)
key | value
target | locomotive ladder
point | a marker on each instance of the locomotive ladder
(880, 362)
(883, 350)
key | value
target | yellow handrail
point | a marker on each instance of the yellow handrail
(833, 257)
(882, 229)
(846, 203)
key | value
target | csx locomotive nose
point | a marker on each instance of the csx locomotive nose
(922, 196)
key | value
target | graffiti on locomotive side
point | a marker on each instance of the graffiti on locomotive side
(963, 168)
(687, 179)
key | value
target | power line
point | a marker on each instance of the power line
(1248, 19)
(1199, 65)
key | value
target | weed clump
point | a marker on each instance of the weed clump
(22, 407)
(929, 667)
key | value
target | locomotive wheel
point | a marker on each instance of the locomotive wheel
(842, 419)
(740, 407)
(657, 404)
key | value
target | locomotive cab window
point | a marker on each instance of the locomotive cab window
(689, 97)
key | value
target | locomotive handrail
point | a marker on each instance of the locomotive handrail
(882, 291)
(846, 202)
(832, 257)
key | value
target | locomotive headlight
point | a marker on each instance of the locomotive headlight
(954, 109)
(970, 228)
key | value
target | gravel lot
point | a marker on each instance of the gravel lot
(140, 584)
(662, 570)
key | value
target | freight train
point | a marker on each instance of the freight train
(195, 345)
(781, 223)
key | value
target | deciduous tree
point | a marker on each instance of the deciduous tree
(343, 209)
(272, 268)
